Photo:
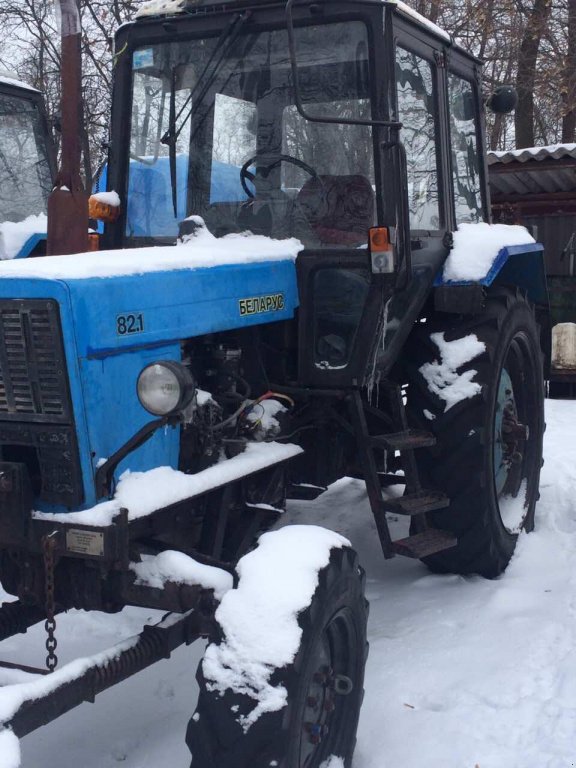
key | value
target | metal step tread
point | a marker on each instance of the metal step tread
(424, 544)
(407, 440)
(417, 503)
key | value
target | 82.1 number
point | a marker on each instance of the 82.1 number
(127, 324)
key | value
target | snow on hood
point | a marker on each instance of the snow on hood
(259, 619)
(14, 234)
(476, 247)
(201, 249)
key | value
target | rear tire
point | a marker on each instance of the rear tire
(333, 644)
(479, 461)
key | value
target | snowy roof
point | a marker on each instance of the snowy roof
(521, 173)
(406, 10)
(551, 152)
(4, 80)
(168, 7)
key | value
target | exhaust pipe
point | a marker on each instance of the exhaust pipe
(68, 201)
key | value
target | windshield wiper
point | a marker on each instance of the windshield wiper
(225, 41)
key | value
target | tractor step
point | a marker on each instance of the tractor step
(416, 503)
(407, 440)
(424, 544)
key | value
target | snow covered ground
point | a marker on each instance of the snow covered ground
(462, 672)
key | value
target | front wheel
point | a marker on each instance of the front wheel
(477, 384)
(323, 686)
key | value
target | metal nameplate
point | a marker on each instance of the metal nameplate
(255, 305)
(85, 542)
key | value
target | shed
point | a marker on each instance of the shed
(536, 187)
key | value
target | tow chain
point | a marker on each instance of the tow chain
(48, 546)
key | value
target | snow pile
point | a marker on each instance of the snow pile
(200, 250)
(513, 509)
(158, 7)
(14, 234)
(476, 247)
(259, 619)
(443, 378)
(144, 492)
(9, 749)
(333, 762)
(108, 198)
(156, 570)
(263, 417)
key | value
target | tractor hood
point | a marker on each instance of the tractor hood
(121, 310)
(149, 296)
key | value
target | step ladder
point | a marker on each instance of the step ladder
(416, 500)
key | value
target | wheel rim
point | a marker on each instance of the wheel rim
(330, 691)
(515, 417)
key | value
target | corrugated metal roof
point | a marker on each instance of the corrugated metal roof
(552, 152)
(533, 171)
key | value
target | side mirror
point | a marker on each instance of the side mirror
(503, 100)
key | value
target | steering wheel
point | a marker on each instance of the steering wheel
(246, 174)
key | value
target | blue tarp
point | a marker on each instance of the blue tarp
(150, 208)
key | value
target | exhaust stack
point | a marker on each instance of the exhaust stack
(68, 201)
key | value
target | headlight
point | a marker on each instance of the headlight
(165, 387)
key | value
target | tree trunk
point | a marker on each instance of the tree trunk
(526, 77)
(569, 86)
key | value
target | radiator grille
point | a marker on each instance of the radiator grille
(33, 380)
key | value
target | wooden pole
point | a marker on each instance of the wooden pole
(68, 201)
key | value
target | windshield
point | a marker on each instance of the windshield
(214, 132)
(25, 178)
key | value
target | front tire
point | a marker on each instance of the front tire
(489, 446)
(321, 716)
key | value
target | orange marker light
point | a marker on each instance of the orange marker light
(381, 250)
(380, 239)
(102, 211)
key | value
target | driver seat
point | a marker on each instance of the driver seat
(339, 209)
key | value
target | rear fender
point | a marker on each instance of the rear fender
(518, 266)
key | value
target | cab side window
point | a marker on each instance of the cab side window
(464, 145)
(415, 94)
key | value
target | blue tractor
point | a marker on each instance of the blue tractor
(27, 169)
(300, 284)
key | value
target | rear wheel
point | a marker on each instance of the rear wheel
(324, 685)
(489, 443)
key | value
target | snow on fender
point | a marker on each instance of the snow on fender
(259, 619)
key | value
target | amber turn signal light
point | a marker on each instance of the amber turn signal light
(381, 250)
(380, 239)
(102, 211)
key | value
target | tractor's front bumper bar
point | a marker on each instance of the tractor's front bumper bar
(26, 706)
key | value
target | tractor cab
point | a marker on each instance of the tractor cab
(351, 126)
(26, 169)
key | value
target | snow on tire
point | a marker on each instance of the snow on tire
(284, 685)
(483, 398)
